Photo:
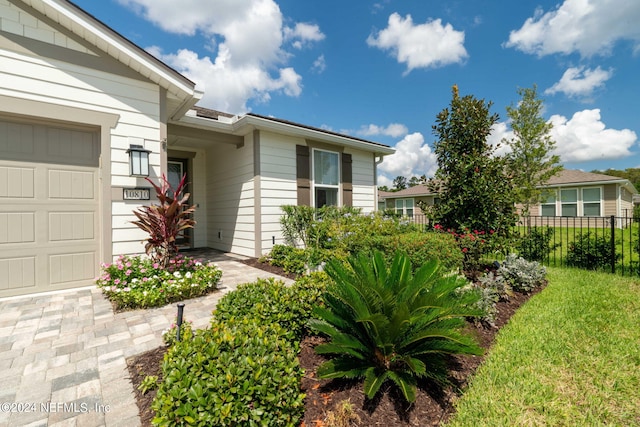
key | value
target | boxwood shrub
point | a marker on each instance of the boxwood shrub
(238, 372)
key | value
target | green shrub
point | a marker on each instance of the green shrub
(269, 301)
(237, 373)
(170, 335)
(292, 260)
(592, 253)
(421, 247)
(536, 244)
(384, 323)
(140, 282)
(522, 275)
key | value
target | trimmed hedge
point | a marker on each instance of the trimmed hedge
(240, 372)
(243, 370)
(422, 247)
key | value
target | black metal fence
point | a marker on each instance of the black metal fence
(609, 244)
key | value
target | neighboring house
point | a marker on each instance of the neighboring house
(570, 193)
(79, 103)
(405, 202)
(573, 193)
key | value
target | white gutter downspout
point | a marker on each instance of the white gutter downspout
(375, 180)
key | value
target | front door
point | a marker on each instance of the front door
(176, 169)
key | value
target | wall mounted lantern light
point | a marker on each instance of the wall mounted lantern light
(138, 160)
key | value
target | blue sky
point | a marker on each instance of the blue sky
(382, 70)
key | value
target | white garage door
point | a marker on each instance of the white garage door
(49, 224)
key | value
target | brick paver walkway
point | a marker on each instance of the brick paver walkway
(63, 355)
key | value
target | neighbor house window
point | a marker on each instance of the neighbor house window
(548, 205)
(326, 178)
(591, 201)
(404, 207)
(569, 202)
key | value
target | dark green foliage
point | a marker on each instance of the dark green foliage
(270, 301)
(536, 244)
(421, 247)
(292, 260)
(295, 222)
(592, 253)
(476, 191)
(385, 323)
(243, 370)
(237, 373)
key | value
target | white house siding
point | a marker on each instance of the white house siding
(230, 198)
(135, 102)
(363, 180)
(277, 184)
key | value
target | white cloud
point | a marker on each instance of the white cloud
(319, 65)
(302, 34)
(586, 26)
(248, 44)
(580, 82)
(394, 130)
(500, 131)
(585, 137)
(412, 157)
(420, 46)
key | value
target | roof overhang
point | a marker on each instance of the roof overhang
(245, 124)
(622, 182)
(96, 33)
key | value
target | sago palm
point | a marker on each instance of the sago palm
(385, 323)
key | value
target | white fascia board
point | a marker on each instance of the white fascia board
(623, 182)
(247, 124)
(165, 76)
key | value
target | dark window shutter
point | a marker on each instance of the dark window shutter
(347, 185)
(303, 175)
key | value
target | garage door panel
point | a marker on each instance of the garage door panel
(74, 185)
(71, 226)
(17, 182)
(75, 267)
(17, 227)
(18, 273)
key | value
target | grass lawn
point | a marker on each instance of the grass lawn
(569, 357)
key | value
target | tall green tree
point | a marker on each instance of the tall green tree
(530, 160)
(476, 192)
(400, 183)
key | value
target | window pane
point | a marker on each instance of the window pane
(570, 196)
(409, 203)
(592, 209)
(410, 212)
(399, 204)
(325, 168)
(591, 195)
(548, 210)
(570, 209)
(326, 197)
(549, 197)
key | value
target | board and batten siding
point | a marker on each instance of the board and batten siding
(53, 83)
(230, 198)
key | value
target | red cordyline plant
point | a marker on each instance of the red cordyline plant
(167, 221)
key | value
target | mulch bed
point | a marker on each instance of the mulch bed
(433, 404)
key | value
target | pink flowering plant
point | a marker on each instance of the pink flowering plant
(473, 244)
(141, 282)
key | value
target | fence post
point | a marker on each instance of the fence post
(613, 243)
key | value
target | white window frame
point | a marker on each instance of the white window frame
(313, 177)
(403, 210)
(546, 202)
(576, 202)
(600, 201)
